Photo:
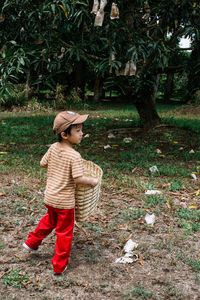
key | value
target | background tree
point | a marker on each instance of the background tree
(49, 42)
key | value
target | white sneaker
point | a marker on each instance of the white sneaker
(29, 249)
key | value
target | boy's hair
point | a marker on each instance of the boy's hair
(67, 131)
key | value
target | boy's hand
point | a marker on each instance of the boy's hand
(86, 180)
(94, 182)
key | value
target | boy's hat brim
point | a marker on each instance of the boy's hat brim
(66, 118)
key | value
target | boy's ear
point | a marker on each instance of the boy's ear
(64, 135)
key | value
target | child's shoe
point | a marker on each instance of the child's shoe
(57, 274)
(29, 249)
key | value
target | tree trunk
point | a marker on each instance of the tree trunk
(80, 79)
(146, 101)
(193, 72)
(147, 112)
(99, 92)
(155, 90)
(168, 87)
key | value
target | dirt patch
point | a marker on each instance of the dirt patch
(163, 272)
(189, 110)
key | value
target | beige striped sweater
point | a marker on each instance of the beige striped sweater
(63, 166)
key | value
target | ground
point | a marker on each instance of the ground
(168, 264)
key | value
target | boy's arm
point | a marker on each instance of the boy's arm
(86, 180)
(77, 173)
(44, 160)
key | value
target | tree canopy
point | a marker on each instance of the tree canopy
(50, 42)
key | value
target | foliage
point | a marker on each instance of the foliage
(43, 42)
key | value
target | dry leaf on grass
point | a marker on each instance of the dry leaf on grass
(16, 255)
(140, 259)
(2, 194)
(4, 273)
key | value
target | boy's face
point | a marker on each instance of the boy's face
(76, 134)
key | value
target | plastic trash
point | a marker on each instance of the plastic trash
(153, 192)
(194, 176)
(107, 147)
(150, 219)
(100, 13)
(127, 140)
(130, 245)
(95, 7)
(129, 256)
(153, 169)
(124, 260)
(111, 136)
(158, 151)
(114, 14)
(192, 151)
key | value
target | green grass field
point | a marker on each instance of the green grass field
(168, 252)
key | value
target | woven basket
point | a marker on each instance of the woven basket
(86, 196)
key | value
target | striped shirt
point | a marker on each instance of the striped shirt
(63, 166)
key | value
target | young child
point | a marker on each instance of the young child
(65, 170)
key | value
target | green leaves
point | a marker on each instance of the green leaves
(35, 32)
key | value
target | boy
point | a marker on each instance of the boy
(65, 170)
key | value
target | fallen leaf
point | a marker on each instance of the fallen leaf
(140, 259)
(5, 273)
(193, 206)
(2, 194)
(166, 185)
(128, 238)
(37, 279)
(168, 205)
(197, 193)
(82, 284)
(16, 255)
(25, 283)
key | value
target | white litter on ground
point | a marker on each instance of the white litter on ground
(158, 151)
(191, 151)
(153, 192)
(111, 136)
(127, 140)
(107, 147)
(194, 176)
(124, 260)
(153, 169)
(150, 219)
(129, 256)
(130, 245)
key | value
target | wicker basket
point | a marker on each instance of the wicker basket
(86, 196)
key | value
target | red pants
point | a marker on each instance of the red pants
(63, 221)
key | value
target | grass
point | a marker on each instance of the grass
(139, 293)
(15, 278)
(25, 137)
